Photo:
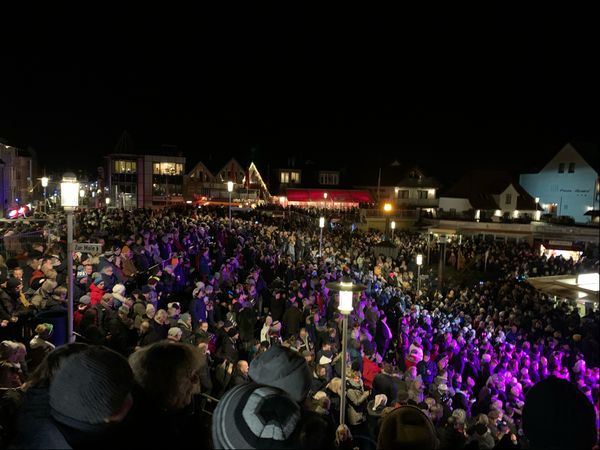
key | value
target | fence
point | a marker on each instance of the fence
(15, 244)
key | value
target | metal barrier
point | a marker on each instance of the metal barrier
(16, 244)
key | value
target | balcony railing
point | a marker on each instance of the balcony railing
(397, 214)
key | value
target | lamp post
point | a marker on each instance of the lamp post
(346, 288)
(419, 264)
(442, 262)
(45, 186)
(321, 226)
(69, 188)
(393, 225)
(107, 200)
(230, 190)
(324, 200)
(387, 208)
(81, 195)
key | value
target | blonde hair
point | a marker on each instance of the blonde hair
(342, 434)
(335, 385)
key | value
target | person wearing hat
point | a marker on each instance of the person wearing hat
(228, 350)
(89, 393)
(257, 416)
(39, 345)
(407, 427)
(97, 290)
(82, 306)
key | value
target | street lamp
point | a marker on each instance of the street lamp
(107, 200)
(45, 185)
(346, 288)
(387, 207)
(321, 226)
(393, 225)
(419, 264)
(230, 190)
(69, 201)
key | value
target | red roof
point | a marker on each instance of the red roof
(336, 195)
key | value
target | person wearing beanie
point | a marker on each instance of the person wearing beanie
(96, 291)
(89, 394)
(558, 415)
(407, 427)
(185, 325)
(256, 416)
(118, 293)
(282, 368)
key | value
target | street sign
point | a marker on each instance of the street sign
(443, 239)
(87, 247)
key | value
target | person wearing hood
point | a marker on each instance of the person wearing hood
(118, 293)
(97, 290)
(39, 345)
(185, 325)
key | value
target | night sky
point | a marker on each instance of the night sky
(310, 84)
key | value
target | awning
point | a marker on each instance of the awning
(333, 195)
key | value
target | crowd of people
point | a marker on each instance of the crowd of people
(181, 311)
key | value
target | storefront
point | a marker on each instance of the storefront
(566, 249)
(321, 198)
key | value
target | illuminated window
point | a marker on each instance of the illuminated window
(329, 178)
(571, 167)
(289, 176)
(167, 168)
(561, 168)
(508, 199)
(122, 166)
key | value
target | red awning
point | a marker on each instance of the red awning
(336, 195)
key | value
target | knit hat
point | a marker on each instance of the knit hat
(255, 416)
(98, 280)
(282, 368)
(85, 299)
(13, 283)
(558, 415)
(89, 387)
(119, 289)
(81, 272)
(407, 427)
(185, 317)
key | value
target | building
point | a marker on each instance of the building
(568, 184)
(203, 186)
(313, 185)
(488, 195)
(415, 190)
(16, 177)
(143, 181)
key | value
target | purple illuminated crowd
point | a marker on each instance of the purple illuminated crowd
(224, 337)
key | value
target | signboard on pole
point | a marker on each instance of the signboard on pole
(87, 247)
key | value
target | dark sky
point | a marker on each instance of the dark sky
(319, 84)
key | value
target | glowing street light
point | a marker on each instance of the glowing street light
(387, 208)
(321, 226)
(393, 225)
(419, 264)
(69, 201)
(346, 289)
(107, 201)
(45, 185)
(230, 190)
